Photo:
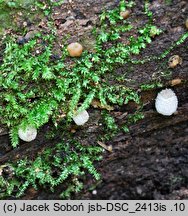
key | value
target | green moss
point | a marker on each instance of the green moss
(65, 164)
(12, 11)
(36, 87)
(151, 86)
(40, 88)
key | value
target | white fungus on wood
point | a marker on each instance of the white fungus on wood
(166, 102)
(81, 118)
(28, 134)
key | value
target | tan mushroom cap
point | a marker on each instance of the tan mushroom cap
(174, 61)
(75, 49)
(125, 14)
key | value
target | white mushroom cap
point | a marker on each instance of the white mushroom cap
(81, 118)
(166, 102)
(28, 134)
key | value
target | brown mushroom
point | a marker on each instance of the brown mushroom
(125, 14)
(75, 49)
(174, 61)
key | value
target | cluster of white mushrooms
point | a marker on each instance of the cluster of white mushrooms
(166, 102)
(29, 133)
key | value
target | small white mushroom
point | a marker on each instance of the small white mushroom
(166, 102)
(81, 118)
(28, 134)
